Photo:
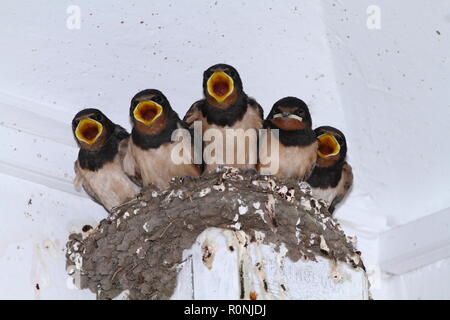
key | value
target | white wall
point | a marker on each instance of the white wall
(279, 51)
(430, 282)
(386, 89)
(36, 221)
(393, 87)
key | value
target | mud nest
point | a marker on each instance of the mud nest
(139, 246)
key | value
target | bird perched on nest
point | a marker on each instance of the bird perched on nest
(227, 106)
(148, 159)
(297, 141)
(332, 177)
(98, 167)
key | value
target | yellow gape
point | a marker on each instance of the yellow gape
(88, 130)
(147, 112)
(328, 146)
(220, 86)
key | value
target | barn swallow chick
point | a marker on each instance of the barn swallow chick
(289, 124)
(98, 168)
(332, 177)
(150, 158)
(228, 114)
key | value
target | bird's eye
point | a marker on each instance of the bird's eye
(98, 117)
(301, 112)
(208, 74)
(157, 99)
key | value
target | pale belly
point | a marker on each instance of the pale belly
(111, 185)
(286, 162)
(158, 166)
(325, 194)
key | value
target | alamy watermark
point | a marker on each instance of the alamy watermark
(73, 21)
(374, 19)
(227, 147)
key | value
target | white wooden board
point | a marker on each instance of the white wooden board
(258, 271)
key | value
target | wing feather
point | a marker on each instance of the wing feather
(128, 163)
(193, 114)
(81, 181)
(347, 175)
(252, 102)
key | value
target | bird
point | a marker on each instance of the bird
(149, 159)
(297, 143)
(227, 113)
(332, 177)
(98, 168)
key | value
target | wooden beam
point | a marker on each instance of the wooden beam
(259, 271)
(415, 244)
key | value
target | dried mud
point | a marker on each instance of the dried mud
(139, 247)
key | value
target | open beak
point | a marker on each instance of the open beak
(220, 86)
(287, 115)
(328, 145)
(88, 130)
(147, 112)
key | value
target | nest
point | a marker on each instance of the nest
(139, 247)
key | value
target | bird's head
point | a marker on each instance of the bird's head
(222, 85)
(290, 114)
(149, 111)
(332, 146)
(91, 128)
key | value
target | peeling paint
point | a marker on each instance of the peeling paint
(236, 226)
(336, 276)
(204, 192)
(220, 187)
(146, 226)
(208, 251)
(243, 209)
(323, 244)
(124, 295)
